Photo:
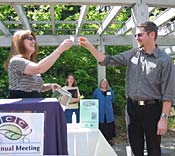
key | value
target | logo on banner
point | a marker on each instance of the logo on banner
(20, 133)
(14, 128)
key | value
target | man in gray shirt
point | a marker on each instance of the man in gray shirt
(149, 87)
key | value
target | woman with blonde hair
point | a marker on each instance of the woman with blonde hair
(105, 95)
(24, 71)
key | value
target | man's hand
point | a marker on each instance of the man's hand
(162, 126)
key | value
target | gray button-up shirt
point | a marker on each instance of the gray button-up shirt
(148, 76)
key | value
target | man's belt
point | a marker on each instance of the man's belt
(145, 102)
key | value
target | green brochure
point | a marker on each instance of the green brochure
(89, 113)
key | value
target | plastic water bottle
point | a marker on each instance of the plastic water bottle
(74, 118)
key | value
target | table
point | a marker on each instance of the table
(87, 142)
(55, 136)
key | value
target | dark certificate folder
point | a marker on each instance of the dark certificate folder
(74, 93)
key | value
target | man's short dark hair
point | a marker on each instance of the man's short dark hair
(149, 27)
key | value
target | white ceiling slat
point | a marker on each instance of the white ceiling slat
(162, 19)
(22, 16)
(127, 27)
(4, 29)
(112, 14)
(165, 16)
(49, 22)
(83, 12)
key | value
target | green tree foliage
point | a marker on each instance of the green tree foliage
(78, 61)
(3, 74)
(116, 77)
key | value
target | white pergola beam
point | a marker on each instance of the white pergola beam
(52, 19)
(22, 16)
(83, 13)
(114, 40)
(114, 11)
(153, 3)
(101, 70)
(70, 2)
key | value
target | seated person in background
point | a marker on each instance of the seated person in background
(105, 95)
(73, 105)
(24, 72)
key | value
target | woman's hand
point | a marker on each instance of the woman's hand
(65, 45)
(55, 86)
(50, 86)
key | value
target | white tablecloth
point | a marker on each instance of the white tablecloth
(87, 142)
